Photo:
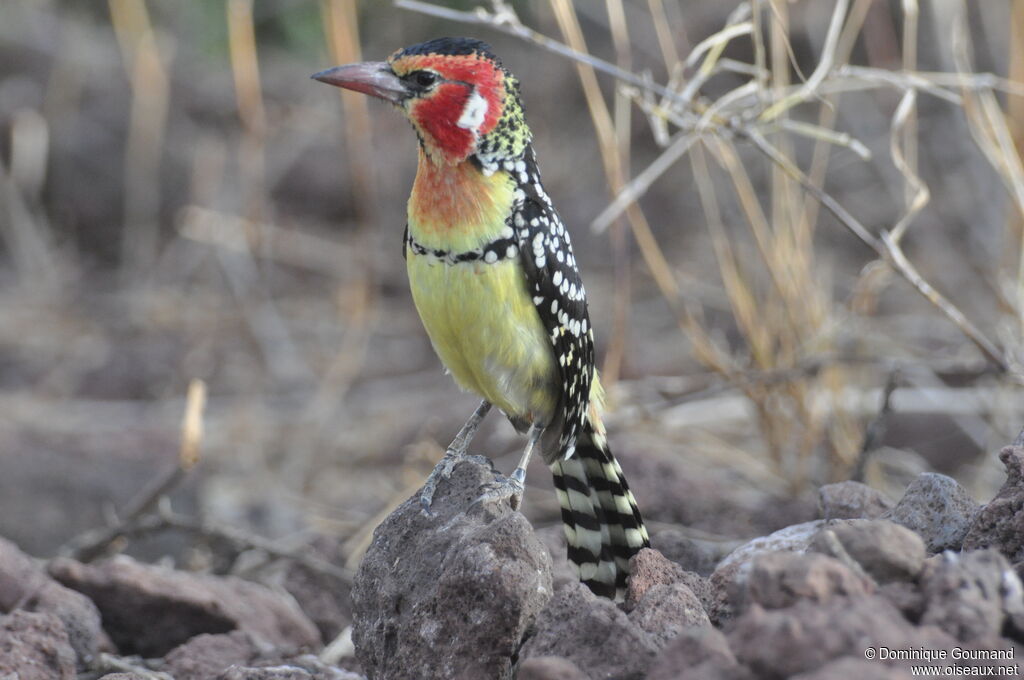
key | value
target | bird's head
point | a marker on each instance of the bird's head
(457, 95)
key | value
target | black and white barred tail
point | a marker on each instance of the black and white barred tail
(602, 523)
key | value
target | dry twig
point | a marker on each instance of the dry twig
(876, 428)
(93, 544)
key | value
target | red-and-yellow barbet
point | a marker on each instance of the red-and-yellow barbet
(495, 282)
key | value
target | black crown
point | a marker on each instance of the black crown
(450, 47)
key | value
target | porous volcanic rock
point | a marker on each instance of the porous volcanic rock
(781, 579)
(885, 550)
(731, 573)
(324, 598)
(562, 571)
(650, 568)
(905, 596)
(693, 648)
(305, 667)
(969, 594)
(593, 633)
(26, 585)
(781, 643)
(149, 610)
(1000, 524)
(854, 667)
(35, 646)
(667, 610)
(452, 594)
(206, 656)
(851, 500)
(938, 509)
(549, 668)
(696, 555)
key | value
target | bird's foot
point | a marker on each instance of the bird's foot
(443, 470)
(505, 488)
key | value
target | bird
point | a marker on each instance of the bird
(494, 279)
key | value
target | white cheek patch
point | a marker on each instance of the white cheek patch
(474, 113)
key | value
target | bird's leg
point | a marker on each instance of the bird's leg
(511, 487)
(455, 452)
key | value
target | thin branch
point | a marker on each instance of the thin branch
(507, 22)
(166, 519)
(91, 545)
(876, 428)
(917, 191)
(827, 135)
(639, 185)
(809, 88)
(887, 248)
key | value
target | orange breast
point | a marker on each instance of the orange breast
(457, 207)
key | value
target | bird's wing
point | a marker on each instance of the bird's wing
(557, 291)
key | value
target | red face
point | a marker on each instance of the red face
(455, 100)
(452, 99)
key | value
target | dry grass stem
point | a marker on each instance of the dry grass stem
(192, 425)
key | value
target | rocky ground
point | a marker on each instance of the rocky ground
(477, 593)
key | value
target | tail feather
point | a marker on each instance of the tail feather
(602, 523)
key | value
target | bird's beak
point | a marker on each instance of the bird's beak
(374, 78)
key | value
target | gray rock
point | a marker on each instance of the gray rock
(1000, 524)
(710, 671)
(967, 595)
(206, 656)
(667, 610)
(593, 633)
(730, 576)
(795, 538)
(149, 610)
(938, 509)
(782, 643)
(19, 575)
(24, 584)
(886, 551)
(855, 667)
(549, 668)
(562, 572)
(905, 596)
(278, 672)
(79, 615)
(692, 554)
(35, 646)
(650, 568)
(851, 500)
(701, 646)
(449, 595)
(324, 598)
(306, 667)
(781, 579)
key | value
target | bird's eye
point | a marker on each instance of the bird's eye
(423, 79)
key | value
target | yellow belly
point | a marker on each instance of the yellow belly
(487, 333)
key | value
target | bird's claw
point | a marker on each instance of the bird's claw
(504, 488)
(443, 470)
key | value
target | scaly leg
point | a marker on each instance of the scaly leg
(511, 488)
(456, 452)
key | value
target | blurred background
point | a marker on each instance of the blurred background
(179, 202)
